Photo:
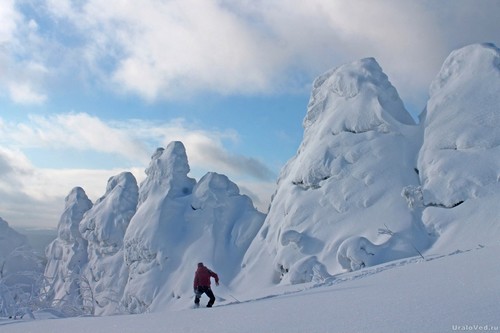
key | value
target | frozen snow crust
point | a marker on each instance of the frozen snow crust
(367, 186)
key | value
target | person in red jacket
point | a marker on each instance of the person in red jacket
(202, 284)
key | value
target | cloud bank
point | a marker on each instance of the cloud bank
(174, 49)
(43, 188)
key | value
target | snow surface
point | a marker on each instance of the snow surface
(456, 291)
(377, 224)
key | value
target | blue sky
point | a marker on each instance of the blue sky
(90, 88)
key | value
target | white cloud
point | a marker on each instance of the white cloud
(8, 20)
(23, 93)
(35, 196)
(134, 140)
(206, 149)
(174, 49)
(78, 131)
(21, 73)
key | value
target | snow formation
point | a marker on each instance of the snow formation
(136, 248)
(179, 223)
(104, 226)
(67, 254)
(459, 161)
(344, 184)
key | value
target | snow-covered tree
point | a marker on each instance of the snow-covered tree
(20, 274)
(104, 227)
(67, 254)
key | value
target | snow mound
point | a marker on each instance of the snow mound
(179, 223)
(362, 86)
(104, 226)
(155, 228)
(357, 155)
(230, 219)
(460, 158)
(461, 150)
(67, 254)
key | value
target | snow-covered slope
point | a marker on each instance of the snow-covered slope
(456, 291)
(67, 254)
(10, 242)
(357, 155)
(104, 226)
(459, 161)
(179, 223)
(20, 270)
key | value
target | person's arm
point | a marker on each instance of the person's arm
(216, 277)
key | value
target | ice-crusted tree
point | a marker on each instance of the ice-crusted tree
(357, 153)
(180, 222)
(67, 254)
(413, 195)
(21, 274)
(104, 226)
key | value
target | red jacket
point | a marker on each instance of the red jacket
(202, 277)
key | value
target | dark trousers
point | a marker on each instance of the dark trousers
(204, 290)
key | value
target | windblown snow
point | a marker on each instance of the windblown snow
(368, 191)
